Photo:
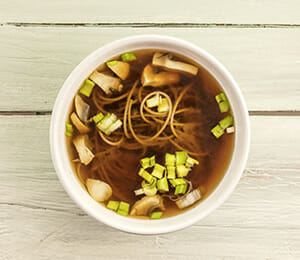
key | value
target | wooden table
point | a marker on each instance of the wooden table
(40, 44)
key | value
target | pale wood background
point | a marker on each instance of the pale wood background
(42, 41)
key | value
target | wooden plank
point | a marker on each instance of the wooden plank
(35, 61)
(259, 221)
(155, 11)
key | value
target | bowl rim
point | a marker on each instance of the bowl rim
(60, 157)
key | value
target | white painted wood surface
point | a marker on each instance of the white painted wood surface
(258, 41)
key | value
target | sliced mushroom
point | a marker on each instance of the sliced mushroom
(163, 60)
(150, 78)
(146, 205)
(82, 108)
(81, 143)
(106, 82)
(189, 199)
(81, 127)
(120, 68)
(100, 191)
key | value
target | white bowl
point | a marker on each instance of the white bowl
(60, 155)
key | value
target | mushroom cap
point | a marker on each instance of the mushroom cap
(81, 143)
(100, 191)
(82, 109)
(106, 82)
(150, 78)
(163, 60)
(120, 68)
(146, 205)
(81, 127)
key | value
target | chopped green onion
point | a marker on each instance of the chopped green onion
(150, 191)
(68, 134)
(113, 127)
(111, 63)
(148, 162)
(221, 97)
(190, 162)
(180, 189)
(226, 122)
(170, 159)
(129, 56)
(152, 161)
(156, 215)
(107, 121)
(217, 131)
(87, 88)
(224, 106)
(181, 157)
(158, 171)
(123, 209)
(178, 181)
(151, 184)
(154, 101)
(97, 118)
(69, 129)
(182, 171)
(113, 205)
(145, 175)
(163, 106)
(171, 172)
(162, 184)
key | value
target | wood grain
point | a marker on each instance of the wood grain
(190, 11)
(35, 61)
(259, 221)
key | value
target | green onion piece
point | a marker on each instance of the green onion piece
(113, 205)
(217, 131)
(87, 88)
(129, 56)
(163, 106)
(190, 162)
(177, 181)
(113, 127)
(224, 106)
(156, 215)
(97, 118)
(171, 172)
(181, 157)
(170, 159)
(123, 209)
(152, 161)
(180, 189)
(154, 101)
(151, 184)
(148, 162)
(145, 175)
(107, 121)
(69, 129)
(149, 188)
(158, 171)
(221, 97)
(111, 63)
(162, 184)
(226, 122)
(150, 191)
(68, 134)
(182, 171)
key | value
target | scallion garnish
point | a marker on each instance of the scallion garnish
(180, 189)
(114, 126)
(154, 101)
(178, 181)
(111, 63)
(69, 129)
(222, 102)
(156, 215)
(129, 56)
(162, 184)
(97, 118)
(146, 176)
(113, 205)
(158, 171)
(87, 88)
(226, 122)
(217, 131)
(182, 171)
(123, 208)
(190, 162)
(170, 159)
(181, 157)
(148, 162)
(163, 106)
(171, 172)
(107, 121)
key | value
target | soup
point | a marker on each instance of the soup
(150, 134)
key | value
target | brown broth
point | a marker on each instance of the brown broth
(211, 168)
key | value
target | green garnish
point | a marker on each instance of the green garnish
(112, 63)
(146, 175)
(129, 56)
(107, 121)
(87, 88)
(181, 157)
(148, 162)
(154, 101)
(222, 102)
(68, 134)
(113, 205)
(156, 215)
(180, 189)
(114, 126)
(226, 122)
(182, 171)
(162, 184)
(163, 106)
(190, 162)
(217, 131)
(158, 171)
(97, 118)
(69, 129)
(178, 181)
(171, 172)
(170, 159)
(123, 209)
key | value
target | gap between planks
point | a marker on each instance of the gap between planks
(157, 25)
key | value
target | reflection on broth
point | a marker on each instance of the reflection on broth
(150, 134)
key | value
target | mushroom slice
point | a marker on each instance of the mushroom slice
(82, 108)
(120, 68)
(163, 59)
(81, 143)
(150, 78)
(106, 82)
(81, 127)
(146, 205)
(100, 191)
(189, 199)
